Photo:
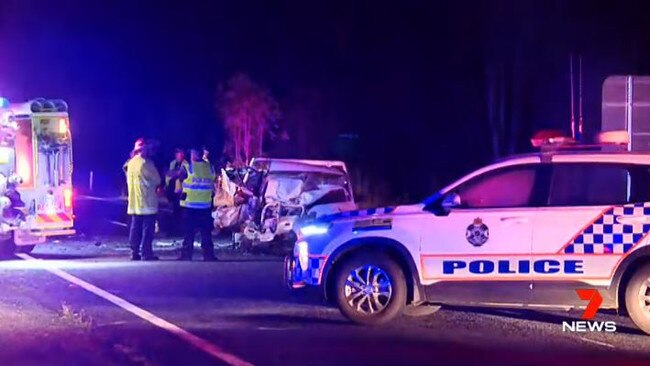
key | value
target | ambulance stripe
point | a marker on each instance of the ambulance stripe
(60, 217)
(45, 218)
(64, 217)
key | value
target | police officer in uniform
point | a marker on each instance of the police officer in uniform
(196, 203)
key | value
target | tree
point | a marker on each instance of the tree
(248, 111)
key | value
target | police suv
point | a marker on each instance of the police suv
(527, 231)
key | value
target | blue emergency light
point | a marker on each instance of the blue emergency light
(4, 102)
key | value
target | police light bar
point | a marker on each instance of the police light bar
(550, 138)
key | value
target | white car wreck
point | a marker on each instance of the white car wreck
(262, 203)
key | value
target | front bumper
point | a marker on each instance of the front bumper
(291, 274)
(296, 277)
(31, 237)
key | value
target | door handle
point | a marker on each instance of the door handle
(514, 220)
(631, 220)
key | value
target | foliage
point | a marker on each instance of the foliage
(248, 111)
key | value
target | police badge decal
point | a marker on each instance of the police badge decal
(477, 233)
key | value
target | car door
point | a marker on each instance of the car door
(477, 251)
(594, 215)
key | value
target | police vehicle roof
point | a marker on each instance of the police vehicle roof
(638, 157)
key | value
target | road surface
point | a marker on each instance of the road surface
(237, 311)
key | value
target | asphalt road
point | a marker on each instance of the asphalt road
(241, 309)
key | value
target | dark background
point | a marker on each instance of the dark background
(399, 89)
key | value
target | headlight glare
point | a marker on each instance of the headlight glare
(311, 230)
(303, 254)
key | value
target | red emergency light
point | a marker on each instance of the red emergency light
(550, 137)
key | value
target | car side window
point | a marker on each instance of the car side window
(598, 184)
(502, 188)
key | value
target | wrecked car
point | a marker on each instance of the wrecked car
(262, 202)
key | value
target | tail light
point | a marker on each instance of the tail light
(67, 198)
(63, 126)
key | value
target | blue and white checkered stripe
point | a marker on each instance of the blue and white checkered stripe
(312, 274)
(314, 270)
(358, 213)
(607, 236)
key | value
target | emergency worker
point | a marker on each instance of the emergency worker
(138, 142)
(173, 187)
(196, 202)
(142, 179)
(206, 154)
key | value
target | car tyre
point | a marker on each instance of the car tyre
(7, 247)
(370, 288)
(637, 298)
(25, 248)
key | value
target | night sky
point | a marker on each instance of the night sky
(408, 79)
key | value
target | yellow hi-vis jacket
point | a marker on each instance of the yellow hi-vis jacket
(198, 186)
(142, 179)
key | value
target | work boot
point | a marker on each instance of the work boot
(135, 257)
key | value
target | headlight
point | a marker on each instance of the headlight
(316, 229)
(303, 254)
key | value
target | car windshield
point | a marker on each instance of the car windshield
(326, 183)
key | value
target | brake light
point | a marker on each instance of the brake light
(63, 126)
(67, 198)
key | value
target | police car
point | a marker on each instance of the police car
(527, 231)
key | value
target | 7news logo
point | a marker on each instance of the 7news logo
(586, 325)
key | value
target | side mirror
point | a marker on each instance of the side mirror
(450, 201)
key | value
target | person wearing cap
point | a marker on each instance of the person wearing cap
(142, 179)
(196, 202)
(173, 186)
(138, 143)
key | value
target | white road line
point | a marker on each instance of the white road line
(188, 337)
(118, 223)
(596, 342)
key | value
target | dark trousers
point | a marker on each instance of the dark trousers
(177, 214)
(198, 220)
(141, 234)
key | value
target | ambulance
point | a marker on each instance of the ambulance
(36, 162)
(529, 231)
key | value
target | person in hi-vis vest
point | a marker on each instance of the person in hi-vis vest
(142, 180)
(196, 202)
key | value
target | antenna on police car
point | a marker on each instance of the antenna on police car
(579, 135)
(573, 118)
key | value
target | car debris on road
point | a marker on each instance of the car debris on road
(262, 202)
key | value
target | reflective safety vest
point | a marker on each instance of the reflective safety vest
(142, 179)
(198, 186)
